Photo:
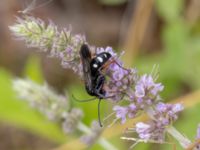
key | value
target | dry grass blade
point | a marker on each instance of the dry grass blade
(136, 30)
(72, 145)
(189, 100)
(193, 11)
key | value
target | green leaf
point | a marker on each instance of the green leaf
(175, 37)
(89, 108)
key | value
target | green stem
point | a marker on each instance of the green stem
(184, 142)
(101, 141)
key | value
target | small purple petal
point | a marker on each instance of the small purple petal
(132, 107)
(121, 113)
(139, 91)
(177, 108)
(118, 75)
(198, 132)
(132, 111)
(161, 107)
(142, 127)
(140, 101)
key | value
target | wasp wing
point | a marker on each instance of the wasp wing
(86, 58)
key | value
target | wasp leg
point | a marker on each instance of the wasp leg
(99, 114)
(98, 90)
(83, 100)
(111, 61)
(100, 93)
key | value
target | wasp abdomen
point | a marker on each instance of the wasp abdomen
(98, 62)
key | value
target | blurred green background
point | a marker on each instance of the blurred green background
(150, 32)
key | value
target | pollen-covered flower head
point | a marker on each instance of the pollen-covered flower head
(71, 120)
(146, 85)
(42, 97)
(61, 44)
(167, 113)
(107, 49)
(123, 111)
(151, 131)
(90, 138)
(163, 116)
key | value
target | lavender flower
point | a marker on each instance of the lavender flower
(152, 131)
(120, 79)
(54, 106)
(35, 32)
(167, 113)
(107, 49)
(91, 137)
(122, 112)
(146, 87)
(198, 132)
(161, 118)
(46, 37)
(71, 120)
(43, 98)
(145, 93)
(119, 82)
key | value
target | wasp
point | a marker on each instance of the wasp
(92, 73)
(94, 79)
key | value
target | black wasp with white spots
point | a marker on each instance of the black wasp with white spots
(92, 72)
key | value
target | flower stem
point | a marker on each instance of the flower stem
(101, 141)
(184, 142)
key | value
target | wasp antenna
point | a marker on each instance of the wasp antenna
(99, 116)
(84, 100)
(121, 66)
